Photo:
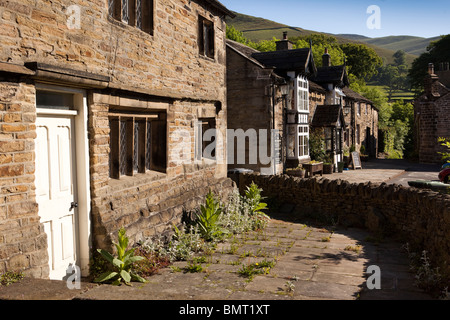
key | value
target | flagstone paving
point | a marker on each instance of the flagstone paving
(309, 263)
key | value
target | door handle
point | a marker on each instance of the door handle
(73, 205)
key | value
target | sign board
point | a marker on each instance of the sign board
(356, 160)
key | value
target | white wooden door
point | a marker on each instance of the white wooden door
(55, 189)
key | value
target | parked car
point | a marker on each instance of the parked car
(444, 175)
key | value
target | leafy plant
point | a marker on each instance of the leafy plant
(208, 217)
(317, 145)
(253, 195)
(122, 264)
(445, 142)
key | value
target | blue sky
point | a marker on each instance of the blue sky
(398, 17)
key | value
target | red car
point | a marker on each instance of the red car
(444, 175)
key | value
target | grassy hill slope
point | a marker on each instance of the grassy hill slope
(257, 29)
(409, 44)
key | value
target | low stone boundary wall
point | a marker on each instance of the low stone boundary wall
(419, 217)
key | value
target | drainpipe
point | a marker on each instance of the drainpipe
(273, 124)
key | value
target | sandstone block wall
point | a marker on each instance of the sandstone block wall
(167, 62)
(150, 204)
(419, 217)
(432, 122)
(250, 105)
(23, 243)
(165, 65)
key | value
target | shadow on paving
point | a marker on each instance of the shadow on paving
(353, 251)
(291, 259)
(309, 262)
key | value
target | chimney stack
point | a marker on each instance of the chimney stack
(430, 68)
(430, 83)
(326, 59)
(284, 44)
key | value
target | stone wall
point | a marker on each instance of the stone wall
(167, 63)
(431, 119)
(250, 105)
(432, 122)
(151, 203)
(137, 70)
(418, 217)
(367, 118)
(151, 206)
(23, 243)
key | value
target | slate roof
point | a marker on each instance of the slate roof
(244, 51)
(333, 74)
(298, 60)
(356, 96)
(314, 87)
(328, 116)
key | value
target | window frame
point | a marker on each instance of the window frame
(134, 9)
(302, 89)
(206, 40)
(294, 134)
(129, 157)
(202, 125)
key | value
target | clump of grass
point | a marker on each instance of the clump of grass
(262, 267)
(10, 277)
(356, 248)
(193, 267)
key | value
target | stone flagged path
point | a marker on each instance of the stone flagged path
(307, 265)
(310, 263)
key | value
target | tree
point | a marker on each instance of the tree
(236, 35)
(389, 76)
(319, 42)
(362, 60)
(400, 58)
(438, 51)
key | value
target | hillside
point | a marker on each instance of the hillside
(257, 29)
(411, 45)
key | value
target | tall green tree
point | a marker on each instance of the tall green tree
(399, 58)
(438, 51)
(362, 61)
(319, 43)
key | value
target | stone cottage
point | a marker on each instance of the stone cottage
(269, 91)
(100, 106)
(432, 114)
(360, 116)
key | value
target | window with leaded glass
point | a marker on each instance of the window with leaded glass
(136, 13)
(137, 143)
